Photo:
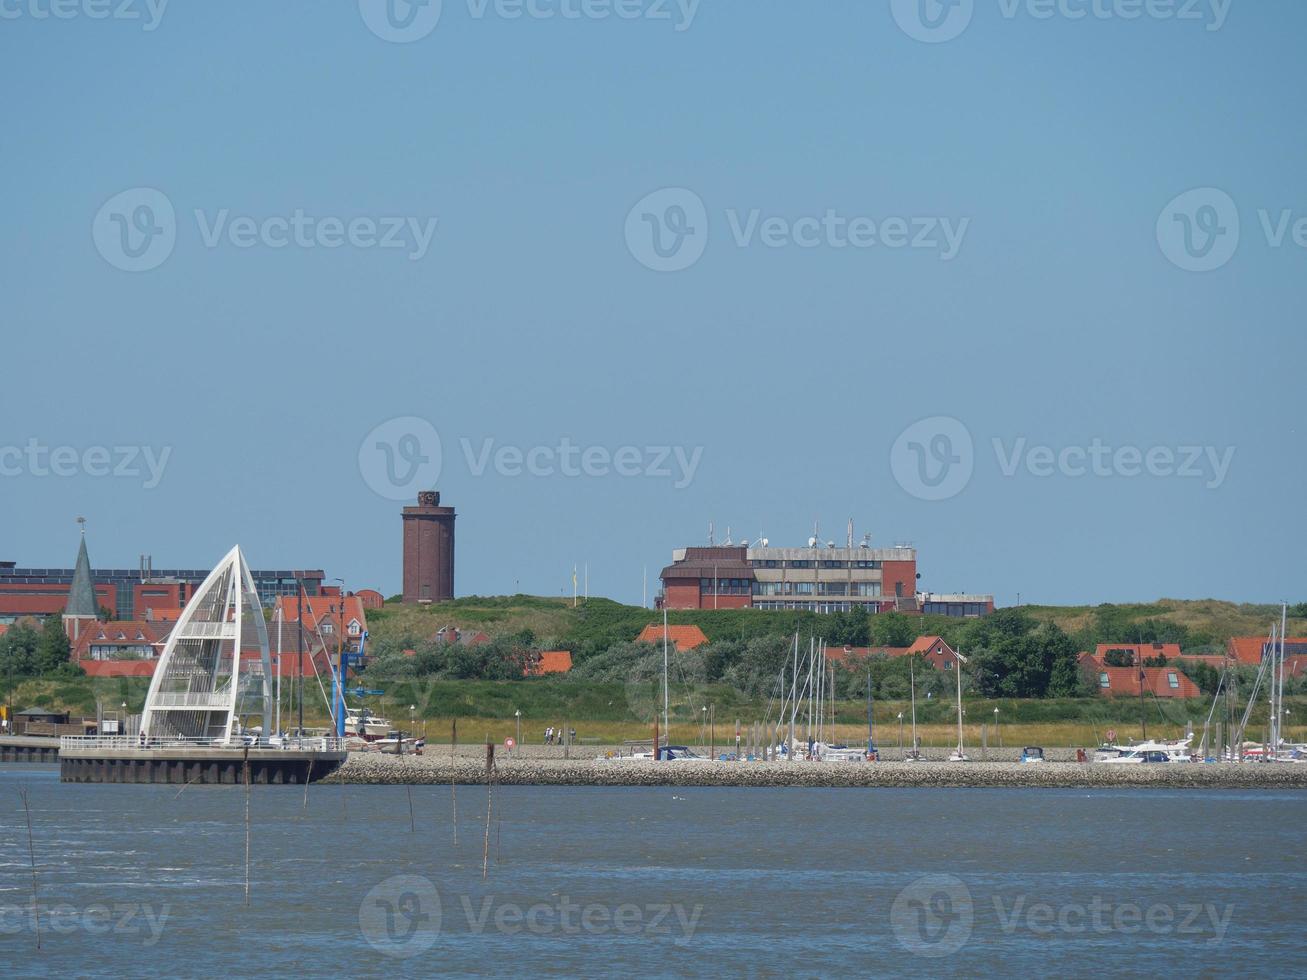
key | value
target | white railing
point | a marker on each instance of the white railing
(208, 631)
(309, 743)
(183, 699)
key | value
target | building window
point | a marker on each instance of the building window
(1103, 680)
(1172, 679)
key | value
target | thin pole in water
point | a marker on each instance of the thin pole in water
(490, 766)
(453, 774)
(247, 826)
(412, 823)
(31, 855)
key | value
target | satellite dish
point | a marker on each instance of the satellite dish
(764, 542)
(812, 542)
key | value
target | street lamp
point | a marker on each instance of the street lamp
(703, 725)
(998, 731)
(518, 715)
(900, 729)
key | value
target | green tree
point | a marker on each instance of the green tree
(893, 629)
(52, 647)
(18, 651)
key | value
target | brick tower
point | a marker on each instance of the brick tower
(428, 550)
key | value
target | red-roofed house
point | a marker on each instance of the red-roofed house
(327, 615)
(936, 651)
(1249, 649)
(1162, 682)
(1137, 652)
(551, 662)
(121, 640)
(682, 637)
(468, 638)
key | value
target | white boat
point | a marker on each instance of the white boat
(1177, 751)
(360, 723)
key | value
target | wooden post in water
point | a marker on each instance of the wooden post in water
(31, 855)
(490, 766)
(453, 774)
(247, 826)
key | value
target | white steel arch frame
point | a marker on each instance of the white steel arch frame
(196, 688)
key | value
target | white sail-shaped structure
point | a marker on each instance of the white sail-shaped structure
(201, 681)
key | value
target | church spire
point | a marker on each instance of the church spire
(81, 594)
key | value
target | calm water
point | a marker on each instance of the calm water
(137, 880)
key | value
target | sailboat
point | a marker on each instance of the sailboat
(959, 754)
(913, 755)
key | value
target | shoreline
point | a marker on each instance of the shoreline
(376, 769)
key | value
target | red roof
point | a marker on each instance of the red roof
(1156, 680)
(121, 633)
(1248, 649)
(552, 662)
(1139, 651)
(324, 609)
(4, 628)
(682, 637)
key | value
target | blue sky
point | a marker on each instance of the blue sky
(786, 361)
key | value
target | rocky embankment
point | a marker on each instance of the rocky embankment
(373, 768)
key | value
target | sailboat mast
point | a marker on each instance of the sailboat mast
(912, 684)
(794, 697)
(958, 667)
(666, 696)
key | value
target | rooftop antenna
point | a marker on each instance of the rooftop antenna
(850, 539)
(710, 534)
(82, 522)
(728, 535)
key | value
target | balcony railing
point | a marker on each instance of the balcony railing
(309, 743)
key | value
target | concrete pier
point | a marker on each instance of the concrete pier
(387, 769)
(29, 748)
(196, 765)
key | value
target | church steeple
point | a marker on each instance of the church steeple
(81, 594)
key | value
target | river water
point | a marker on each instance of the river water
(147, 881)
